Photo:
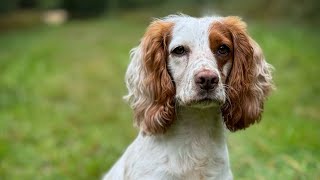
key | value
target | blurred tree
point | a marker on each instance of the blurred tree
(129, 4)
(27, 4)
(78, 8)
(49, 4)
(296, 10)
(8, 5)
(272, 10)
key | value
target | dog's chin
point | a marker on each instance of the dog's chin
(202, 103)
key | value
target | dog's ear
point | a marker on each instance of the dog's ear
(249, 81)
(151, 90)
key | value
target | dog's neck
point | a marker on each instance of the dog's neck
(198, 122)
(194, 124)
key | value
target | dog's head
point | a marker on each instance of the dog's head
(197, 62)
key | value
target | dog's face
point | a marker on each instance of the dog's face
(197, 62)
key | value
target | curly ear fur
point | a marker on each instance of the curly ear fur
(151, 90)
(249, 81)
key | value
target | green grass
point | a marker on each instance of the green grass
(62, 115)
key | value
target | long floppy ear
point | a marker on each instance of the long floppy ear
(249, 81)
(151, 90)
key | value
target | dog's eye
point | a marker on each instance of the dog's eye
(180, 50)
(223, 50)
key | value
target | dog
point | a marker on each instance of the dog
(189, 80)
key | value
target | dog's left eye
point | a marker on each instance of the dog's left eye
(223, 50)
(180, 50)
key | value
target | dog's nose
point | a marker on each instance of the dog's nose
(206, 80)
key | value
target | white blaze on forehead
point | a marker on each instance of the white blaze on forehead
(191, 31)
(193, 34)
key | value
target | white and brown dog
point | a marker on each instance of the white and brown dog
(189, 80)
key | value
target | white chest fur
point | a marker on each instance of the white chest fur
(194, 147)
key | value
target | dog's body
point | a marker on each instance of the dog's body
(193, 148)
(188, 80)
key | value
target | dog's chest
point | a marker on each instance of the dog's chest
(190, 149)
(197, 158)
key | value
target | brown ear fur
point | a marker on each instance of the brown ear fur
(247, 88)
(160, 113)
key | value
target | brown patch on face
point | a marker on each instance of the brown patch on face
(159, 115)
(220, 35)
(246, 93)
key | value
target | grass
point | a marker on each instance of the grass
(62, 116)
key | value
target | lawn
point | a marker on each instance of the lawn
(62, 115)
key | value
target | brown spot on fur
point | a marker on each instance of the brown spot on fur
(245, 103)
(219, 35)
(161, 112)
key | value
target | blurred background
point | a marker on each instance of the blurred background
(62, 65)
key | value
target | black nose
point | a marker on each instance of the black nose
(206, 80)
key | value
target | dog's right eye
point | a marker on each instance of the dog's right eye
(179, 51)
(223, 50)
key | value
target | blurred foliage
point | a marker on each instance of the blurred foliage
(23, 19)
(129, 4)
(296, 10)
(84, 8)
(8, 5)
(49, 4)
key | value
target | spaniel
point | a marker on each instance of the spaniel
(189, 80)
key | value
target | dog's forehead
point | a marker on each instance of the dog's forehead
(190, 30)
